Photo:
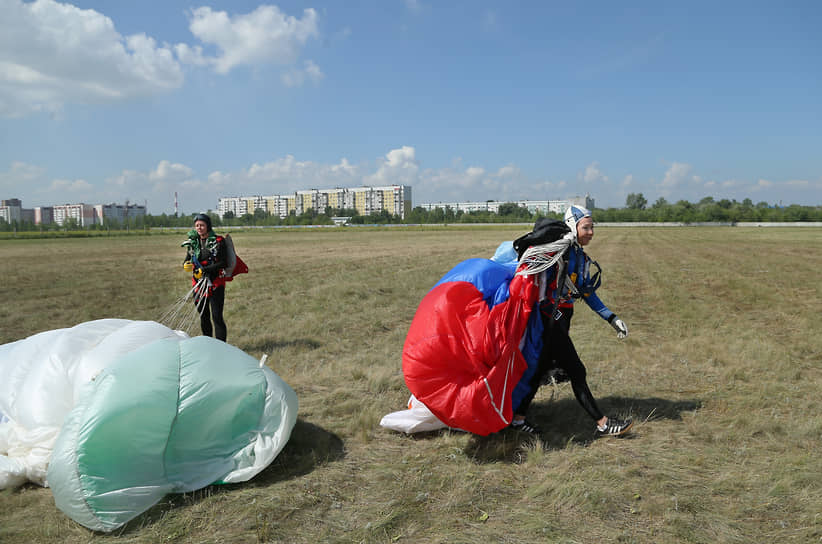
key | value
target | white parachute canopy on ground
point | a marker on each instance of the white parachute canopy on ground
(416, 419)
(123, 412)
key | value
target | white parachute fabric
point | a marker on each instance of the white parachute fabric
(40, 380)
(172, 415)
(416, 419)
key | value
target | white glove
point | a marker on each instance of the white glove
(620, 327)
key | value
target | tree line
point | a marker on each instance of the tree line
(636, 209)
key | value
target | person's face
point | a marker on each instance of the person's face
(585, 230)
(201, 227)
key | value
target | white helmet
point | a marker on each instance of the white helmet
(573, 215)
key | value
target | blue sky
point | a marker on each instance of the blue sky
(105, 101)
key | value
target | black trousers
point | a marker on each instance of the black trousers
(558, 351)
(213, 309)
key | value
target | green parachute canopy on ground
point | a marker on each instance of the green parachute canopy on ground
(171, 416)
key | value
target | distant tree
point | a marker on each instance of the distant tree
(449, 215)
(635, 201)
(260, 215)
(417, 215)
(381, 216)
(228, 215)
(508, 208)
(509, 211)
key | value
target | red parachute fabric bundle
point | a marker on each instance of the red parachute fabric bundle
(461, 356)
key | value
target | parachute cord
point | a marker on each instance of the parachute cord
(177, 316)
(542, 257)
(182, 314)
(508, 370)
(496, 408)
(200, 298)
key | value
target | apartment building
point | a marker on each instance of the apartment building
(533, 206)
(395, 199)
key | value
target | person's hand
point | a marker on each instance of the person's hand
(188, 266)
(620, 327)
(198, 273)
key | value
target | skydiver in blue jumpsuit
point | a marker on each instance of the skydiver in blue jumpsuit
(558, 350)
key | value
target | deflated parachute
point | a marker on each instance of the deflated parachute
(462, 356)
(141, 411)
(40, 381)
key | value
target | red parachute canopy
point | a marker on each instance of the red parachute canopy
(461, 356)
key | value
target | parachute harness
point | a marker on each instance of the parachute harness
(538, 259)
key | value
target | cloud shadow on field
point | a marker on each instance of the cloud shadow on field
(308, 447)
(564, 422)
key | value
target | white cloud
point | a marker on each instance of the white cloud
(157, 186)
(188, 54)
(508, 171)
(20, 175)
(413, 6)
(489, 20)
(53, 53)
(77, 186)
(281, 176)
(399, 166)
(677, 174)
(593, 174)
(344, 168)
(798, 183)
(456, 183)
(33, 187)
(404, 157)
(296, 77)
(474, 172)
(167, 171)
(266, 35)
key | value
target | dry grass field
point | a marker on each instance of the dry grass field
(721, 370)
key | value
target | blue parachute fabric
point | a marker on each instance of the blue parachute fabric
(489, 277)
(506, 254)
(532, 343)
(530, 349)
